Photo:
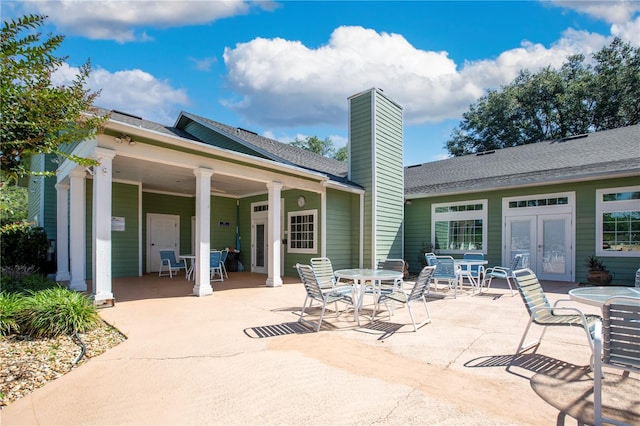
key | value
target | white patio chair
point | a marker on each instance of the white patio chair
(445, 271)
(542, 313)
(215, 265)
(416, 293)
(223, 260)
(430, 258)
(169, 265)
(616, 346)
(391, 265)
(472, 273)
(326, 296)
(503, 272)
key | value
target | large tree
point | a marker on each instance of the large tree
(555, 103)
(36, 116)
(323, 147)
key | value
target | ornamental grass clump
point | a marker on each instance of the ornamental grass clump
(11, 306)
(56, 311)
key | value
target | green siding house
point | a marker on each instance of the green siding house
(560, 201)
(201, 184)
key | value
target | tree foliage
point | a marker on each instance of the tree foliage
(555, 103)
(13, 204)
(323, 147)
(38, 117)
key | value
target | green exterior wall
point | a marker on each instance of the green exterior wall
(389, 179)
(124, 244)
(340, 225)
(418, 225)
(171, 205)
(361, 160)
(376, 164)
(41, 202)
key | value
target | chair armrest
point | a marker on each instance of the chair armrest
(561, 300)
(500, 269)
(573, 310)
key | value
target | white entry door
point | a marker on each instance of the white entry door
(548, 240)
(163, 232)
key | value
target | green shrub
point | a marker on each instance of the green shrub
(56, 311)
(23, 282)
(23, 244)
(11, 307)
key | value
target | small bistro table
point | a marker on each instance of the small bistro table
(189, 263)
(596, 296)
(361, 276)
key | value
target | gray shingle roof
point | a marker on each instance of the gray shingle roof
(275, 150)
(123, 117)
(596, 154)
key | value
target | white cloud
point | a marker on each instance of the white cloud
(283, 82)
(613, 12)
(132, 91)
(120, 20)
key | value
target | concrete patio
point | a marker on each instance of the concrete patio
(240, 357)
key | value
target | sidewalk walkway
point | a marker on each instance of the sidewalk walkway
(205, 360)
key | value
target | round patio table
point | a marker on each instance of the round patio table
(596, 296)
(361, 276)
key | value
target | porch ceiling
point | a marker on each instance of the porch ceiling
(167, 178)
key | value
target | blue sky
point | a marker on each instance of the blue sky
(285, 69)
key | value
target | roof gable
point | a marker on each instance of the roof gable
(242, 140)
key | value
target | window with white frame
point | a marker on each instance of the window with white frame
(618, 221)
(459, 227)
(303, 231)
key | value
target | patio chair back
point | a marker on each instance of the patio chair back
(215, 265)
(223, 260)
(618, 341)
(474, 256)
(396, 265)
(323, 270)
(430, 258)
(542, 313)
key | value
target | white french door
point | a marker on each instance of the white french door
(547, 240)
(541, 226)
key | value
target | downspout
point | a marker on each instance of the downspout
(323, 207)
(361, 260)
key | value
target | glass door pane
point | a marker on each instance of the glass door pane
(554, 257)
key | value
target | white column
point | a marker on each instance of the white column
(77, 243)
(273, 263)
(101, 225)
(202, 286)
(62, 232)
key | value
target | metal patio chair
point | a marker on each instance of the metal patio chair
(616, 345)
(169, 264)
(445, 271)
(343, 293)
(542, 313)
(215, 265)
(504, 272)
(403, 296)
